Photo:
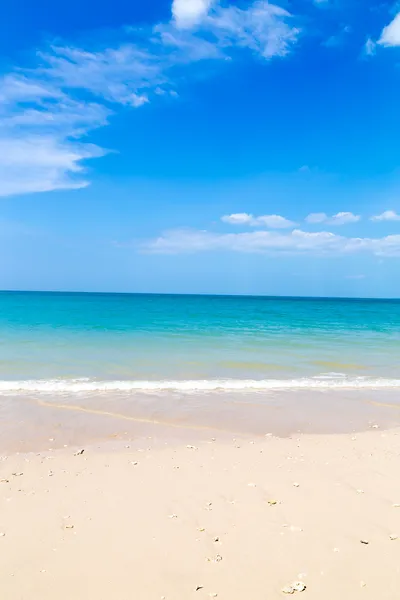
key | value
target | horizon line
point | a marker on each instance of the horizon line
(202, 294)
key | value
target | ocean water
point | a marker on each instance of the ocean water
(72, 342)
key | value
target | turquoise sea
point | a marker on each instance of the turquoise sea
(77, 342)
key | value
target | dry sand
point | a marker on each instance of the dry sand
(236, 520)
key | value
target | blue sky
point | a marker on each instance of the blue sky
(200, 146)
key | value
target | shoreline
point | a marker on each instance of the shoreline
(28, 421)
(228, 518)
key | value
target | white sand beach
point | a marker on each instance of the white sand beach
(233, 519)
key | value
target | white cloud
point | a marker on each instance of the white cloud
(341, 218)
(274, 222)
(370, 47)
(265, 29)
(390, 35)
(54, 105)
(271, 221)
(47, 112)
(297, 241)
(355, 277)
(42, 164)
(188, 13)
(238, 219)
(40, 131)
(387, 215)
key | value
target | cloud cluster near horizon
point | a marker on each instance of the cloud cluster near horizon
(280, 222)
(269, 240)
(263, 242)
(387, 215)
(270, 221)
(341, 218)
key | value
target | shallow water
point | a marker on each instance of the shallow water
(233, 364)
(150, 338)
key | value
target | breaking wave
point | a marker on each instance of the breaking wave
(329, 381)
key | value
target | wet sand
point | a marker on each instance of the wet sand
(227, 518)
(28, 421)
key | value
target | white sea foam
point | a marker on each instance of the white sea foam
(325, 381)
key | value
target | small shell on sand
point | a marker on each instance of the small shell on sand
(17, 474)
(296, 586)
(393, 536)
(364, 542)
(80, 452)
(272, 502)
(2, 534)
(189, 447)
(218, 558)
(296, 484)
(299, 586)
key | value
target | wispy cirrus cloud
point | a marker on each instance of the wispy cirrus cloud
(272, 242)
(369, 47)
(339, 38)
(387, 215)
(270, 221)
(266, 29)
(341, 218)
(41, 163)
(47, 111)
